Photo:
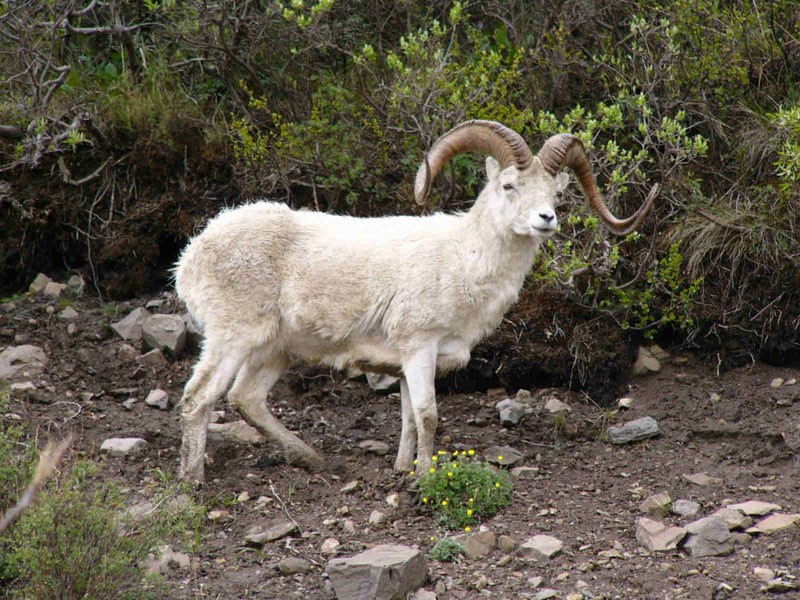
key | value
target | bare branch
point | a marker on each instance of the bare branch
(11, 132)
(48, 461)
(66, 174)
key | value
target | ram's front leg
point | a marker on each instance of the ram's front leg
(419, 372)
(408, 434)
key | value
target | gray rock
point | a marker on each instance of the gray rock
(258, 535)
(129, 403)
(734, 519)
(477, 543)
(645, 363)
(162, 559)
(375, 447)
(507, 543)
(385, 572)
(68, 313)
(555, 406)
(39, 283)
(350, 486)
(165, 332)
(122, 446)
(76, 285)
(779, 585)
(755, 508)
(53, 289)
(194, 336)
(236, 431)
(708, 537)
(633, 431)
(154, 358)
(130, 328)
(22, 362)
(656, 505)
(546, 594)
(540, 546)
(657, 537)
(525, 472)
(511, 411)
(773, 523)
(376, 517)
(511, 456)
(686, 508)
(702, 479)
(292, 565)
(26, 390)
(329, 547)
(127, 352)
(158, 398)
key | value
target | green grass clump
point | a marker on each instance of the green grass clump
(463, 492)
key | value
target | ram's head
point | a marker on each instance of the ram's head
(524, 187)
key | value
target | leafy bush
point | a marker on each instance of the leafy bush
(75, 543)
(463, 492)
(446, 550)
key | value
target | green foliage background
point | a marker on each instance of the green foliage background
(137, 120)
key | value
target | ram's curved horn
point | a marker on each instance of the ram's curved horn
(505, 145)
(566, 150)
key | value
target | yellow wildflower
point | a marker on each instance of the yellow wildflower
(444, 502)
(467, 529)
(469, 512)
(449, 473)
(500, 458)
(471, 452)
(432, 470)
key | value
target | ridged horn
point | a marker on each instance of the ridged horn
(566, 150)
(505, 145)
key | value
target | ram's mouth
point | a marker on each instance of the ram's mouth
(544, 232)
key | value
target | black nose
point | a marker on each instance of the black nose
(546, 217)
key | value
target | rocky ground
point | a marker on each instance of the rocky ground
(623, 514)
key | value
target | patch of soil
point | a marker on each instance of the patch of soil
(732, 425)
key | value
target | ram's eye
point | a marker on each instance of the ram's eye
(508, 187)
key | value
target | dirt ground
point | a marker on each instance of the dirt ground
(731, 425)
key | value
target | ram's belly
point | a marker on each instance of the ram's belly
(366, 354)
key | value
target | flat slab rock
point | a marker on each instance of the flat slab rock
(657, 537)
(540, 546)
(22, 361)
(633, 431)
(122, 446)
(385, 572)
(258, 535)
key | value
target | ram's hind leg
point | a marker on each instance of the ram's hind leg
(211, 378)
(249, 395)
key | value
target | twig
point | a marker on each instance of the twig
(48, 461)
(283, 506)
(66, 174)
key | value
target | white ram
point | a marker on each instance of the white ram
(407, 296)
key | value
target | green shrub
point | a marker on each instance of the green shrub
(446, 550)
(76, 543)
(463, 492)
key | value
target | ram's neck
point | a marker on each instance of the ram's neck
(497, 253)
(495, 263)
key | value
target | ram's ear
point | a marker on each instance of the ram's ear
(492, 168)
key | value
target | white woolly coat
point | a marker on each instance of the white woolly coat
(351, 292)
